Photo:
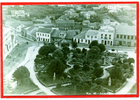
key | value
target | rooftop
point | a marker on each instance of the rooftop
(70, 34)
(92, 32)
(45, 30)
(64, 21)
(15, 25)
(55, 33)
(125, 29)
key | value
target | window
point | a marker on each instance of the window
(88, 36)
(109, 36)
(81, 40)
(121, 36)
(85, 40)
(117, 36)
(102, 41)
(135, 37)
(111, 43)
(108, 42)
(132, 37)
(95, 36)
(128, 37)
(91, 36)
(62, 34)
(105, 36)
(101, 36)
(124, 36)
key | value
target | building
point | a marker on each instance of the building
(30, 32)
(17, 27)
(86, 36)
(125, 35)
(9, 41)
(106, 35)
(70, 35)
(44, 34)
(18, 13)
(65, 24)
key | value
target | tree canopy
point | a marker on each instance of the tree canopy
(94, 52)
(74, 44)
(58, 53)
(102, 47)
(20, 74)
(56, 66)
(93, 43)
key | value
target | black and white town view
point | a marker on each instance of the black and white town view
(69, 49)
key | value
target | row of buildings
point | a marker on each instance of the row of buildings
(122, 34)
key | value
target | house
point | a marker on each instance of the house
(106, 35)
(125, 35)
(44, 34)
(55, 35)
(18, 13)
(91, 35)
(85, 22)
(17, 27)
(86, 36)
(70, 35)
(65, 24)
(9, 41)
(30, 32)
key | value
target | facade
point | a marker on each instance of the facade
(106, 35)
(65, 24)
(125, 35)
(44, 34)
(9, 41)
(30, 32)
(17, 27)
(86, 36)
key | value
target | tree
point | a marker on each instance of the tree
(93, 53)
(74, 44)
(131, 60)
(58, 53)
(93, 43)
(102, 47)
(46, 49)
(96, 65)
(56, 66)
(76, 66)
(21, 74)
(66, 51)
(64, 44)
(78, 50)
(98, 72)
(84, 51)
(85, 68)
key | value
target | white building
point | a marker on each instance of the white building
(9, 41)
(44, 34)
(106, 35)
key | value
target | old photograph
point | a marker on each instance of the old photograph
(69, 49)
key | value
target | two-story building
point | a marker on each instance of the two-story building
(44, 34)
(106, 35)
(125, 35)
(86, 36)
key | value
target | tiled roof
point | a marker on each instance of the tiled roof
(15, 24)
(92, 32)
(125, 29)
(44, 30)
(64, 21)
(70, 34)
(55, 33)
(82, 34)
